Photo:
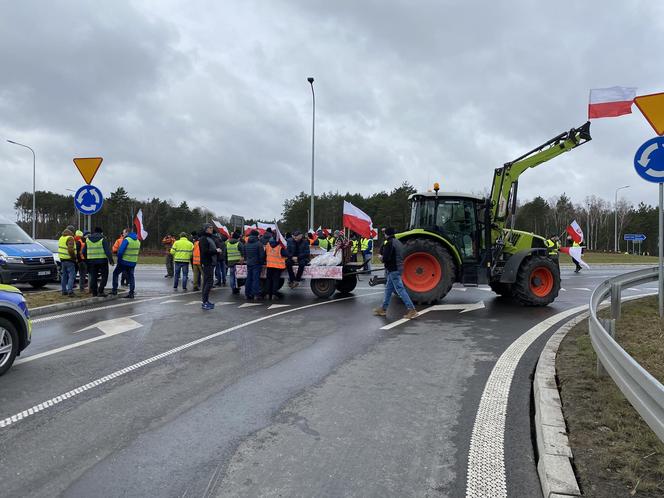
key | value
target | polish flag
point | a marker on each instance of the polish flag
(262, 227)
(357, 220)
(249, 228)
(574, 231)
(575, 253)
(280, 238)
(221, 229)
(610, 102)
(138, 223)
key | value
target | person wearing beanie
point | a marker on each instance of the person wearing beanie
(67, 254)
(253, 253)
(393, 260)
(234, 248)
(182, 251)
(81, 265)
(209, 255)
(298, 249)
(98, 256)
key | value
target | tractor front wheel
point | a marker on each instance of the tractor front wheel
(428, 270)
(538, 282)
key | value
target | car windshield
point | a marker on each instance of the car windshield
(51, 245)
(11, 233)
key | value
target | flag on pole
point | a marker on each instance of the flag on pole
(138, 223)
(357, 220)
(221, 228)
(576, 254)
(574, 231)
(248, 229)
(280, 238)
(610, 102)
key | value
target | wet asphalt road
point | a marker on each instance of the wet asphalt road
(308, 399)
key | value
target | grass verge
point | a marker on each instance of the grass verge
(44, 298)
(615, 452)
(608, 258)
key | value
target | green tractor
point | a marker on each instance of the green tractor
(464, 238)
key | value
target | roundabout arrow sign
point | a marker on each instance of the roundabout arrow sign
(649, 160)
(88, 199)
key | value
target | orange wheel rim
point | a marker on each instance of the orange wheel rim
(541, 281)
(421, 272)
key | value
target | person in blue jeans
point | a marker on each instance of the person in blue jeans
(127, 259)
(393, 259)
(67, 254)
(253, 253)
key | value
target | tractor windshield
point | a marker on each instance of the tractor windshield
(455, 218)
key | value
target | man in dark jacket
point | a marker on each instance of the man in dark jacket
(253, 253)
(298, 249)
(97, 253)
(393, 259)
(209, 255)
(220, 269)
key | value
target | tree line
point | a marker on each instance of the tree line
(545, 217)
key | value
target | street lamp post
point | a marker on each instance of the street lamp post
(615, 245)
(313, 142)
(34, 203)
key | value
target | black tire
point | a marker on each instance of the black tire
(501, 288)
(413, 275)
(323, 287)
(38, 285)
(8, 337)
(525, 289)
(347, 284)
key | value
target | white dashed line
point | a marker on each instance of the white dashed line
(119, 373)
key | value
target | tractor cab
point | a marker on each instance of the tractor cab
(459, 218)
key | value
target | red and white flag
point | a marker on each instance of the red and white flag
(575, 253)
(280, 238)
(248, 229)
(138, 223)
(357, 220)
(221, 229)
(610, 102)
(574, 231)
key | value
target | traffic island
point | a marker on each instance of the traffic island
(615, 453)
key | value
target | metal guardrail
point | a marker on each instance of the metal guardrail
(642, 390)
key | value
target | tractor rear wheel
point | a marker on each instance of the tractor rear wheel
(428, 270)
(538, 282)
(347, 284)
(323, 287)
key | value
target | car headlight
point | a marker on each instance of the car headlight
(15, 260)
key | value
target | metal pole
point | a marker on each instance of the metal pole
(661, 250)
(313, 141)
(34, 199)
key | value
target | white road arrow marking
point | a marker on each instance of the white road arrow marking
(438, 307)
(460, 289)
(108, 327)
(581, 288)
(644, 160)
(275, 306)
(170, 301)
(249, 305)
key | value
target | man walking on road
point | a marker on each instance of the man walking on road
(393, 260)
(209, 255)
(168, 242)
(67, 254)
(127, 259)
(182, 251)
(98, 254)
(254, 255)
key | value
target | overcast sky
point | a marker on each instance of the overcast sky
(208, 101)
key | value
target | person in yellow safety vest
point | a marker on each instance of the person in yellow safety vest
(127, 259)
(275, 262)
(322, 241)
(98, 256)
(182, 251)
(366, 246)
(196, 262)
(553, 244)
(81, 265)
(355, 247)
(67, 254)
(234, 247)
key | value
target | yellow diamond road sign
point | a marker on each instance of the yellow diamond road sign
(652, 107)
(88, 167)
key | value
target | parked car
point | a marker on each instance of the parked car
(22, 260)
(52, 245)
(15, 326)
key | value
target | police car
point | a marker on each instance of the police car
(15, 326)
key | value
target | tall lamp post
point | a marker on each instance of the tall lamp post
(34, 203)
(615, 245)
(313, 142)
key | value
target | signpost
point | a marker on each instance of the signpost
(88, 199)
(649, 164)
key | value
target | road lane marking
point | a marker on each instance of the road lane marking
(249, 305)
(275, 306)
(170, 301)
(486, 456)
(581, 288)
(119, 373)
(464, 308)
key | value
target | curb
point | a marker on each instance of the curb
(554, 466)
(79, 303)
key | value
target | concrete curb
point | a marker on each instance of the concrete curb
(554, 466)
(78, 303)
